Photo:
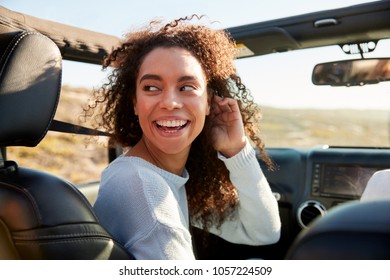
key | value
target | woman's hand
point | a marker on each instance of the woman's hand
(227, 127)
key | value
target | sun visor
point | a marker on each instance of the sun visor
(258, 42)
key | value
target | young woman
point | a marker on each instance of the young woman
(175, 100)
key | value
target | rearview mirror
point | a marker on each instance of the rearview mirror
(352, 72)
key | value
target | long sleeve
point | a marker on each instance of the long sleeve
(145, 209)
(257, 221)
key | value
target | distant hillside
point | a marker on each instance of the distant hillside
(339, 127)
(80, 159)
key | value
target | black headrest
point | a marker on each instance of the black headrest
(30, 82)
(353, 230)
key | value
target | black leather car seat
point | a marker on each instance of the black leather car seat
(41, 216)
(350, 231)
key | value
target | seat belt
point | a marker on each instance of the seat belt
(60, 126)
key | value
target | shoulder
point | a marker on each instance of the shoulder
(130, 171)
(125, 198)
(126, 165)
(133, 178)
(134, 193)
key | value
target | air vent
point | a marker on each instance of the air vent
(308, 211)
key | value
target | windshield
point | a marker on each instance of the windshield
(297, 113)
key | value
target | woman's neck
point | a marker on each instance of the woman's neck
(173, 163)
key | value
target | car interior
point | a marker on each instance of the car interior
(43, 216)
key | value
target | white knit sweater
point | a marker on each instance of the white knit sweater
(145, 207)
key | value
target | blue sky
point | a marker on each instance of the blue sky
(119, 16)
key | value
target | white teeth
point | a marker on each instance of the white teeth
(175, 123)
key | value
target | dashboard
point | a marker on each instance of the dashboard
(308, 182)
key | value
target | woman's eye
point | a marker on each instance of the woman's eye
(187, 88)
(150, 88)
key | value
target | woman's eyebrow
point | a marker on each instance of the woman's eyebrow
(158, 78)
(187, 78)
(150, 77)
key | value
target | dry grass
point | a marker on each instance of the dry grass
(69, 155)
(308, 128)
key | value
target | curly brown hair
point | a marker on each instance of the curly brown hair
(211, 195)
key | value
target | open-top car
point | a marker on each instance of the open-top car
(321, 79)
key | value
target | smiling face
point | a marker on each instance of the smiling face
(171, 100)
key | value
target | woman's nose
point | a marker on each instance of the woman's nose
(171, 100)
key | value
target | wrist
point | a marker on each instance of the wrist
(231, 152)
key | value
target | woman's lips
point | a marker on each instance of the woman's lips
(171, 126)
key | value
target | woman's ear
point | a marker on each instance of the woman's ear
(210, 97)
